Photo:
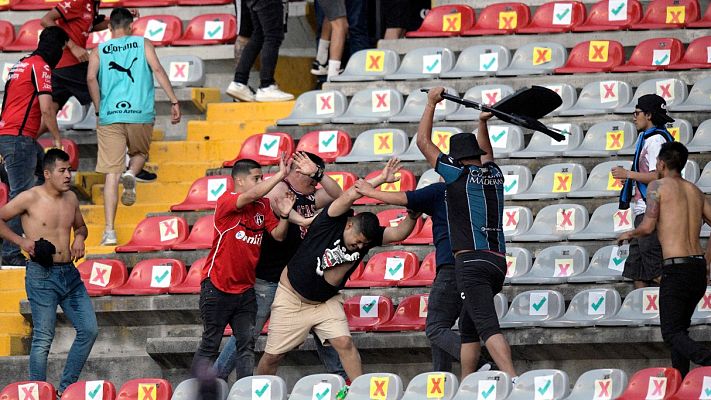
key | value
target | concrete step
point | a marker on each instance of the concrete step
(94, 214)
(150, 193)
(10, 299)
(183, 171)
(226, 130)
(265, 111)
(194, 150)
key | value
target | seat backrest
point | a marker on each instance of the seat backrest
(157, 273)
(567, 93)
(146, 388)
(605, 95)
(326, 144)
(504, 16)
(412, 309)
(432, 385)
(560, 218)
(518, 261)
(205, 191)
(431, 176)
(68, 145)
(672, 90)
(606, 383)
(593, 304)
(159, 29)
(71, 113)
(184, 70)
(603, 54)
(380, 102)
(98, 37)
(28, 34)
(407, 181)
(375, 63)
(640, 304)
(505, 138)
(440, 137)
(368, 310)
(82, 390)
(609, 136)
(266, 148)
(267, 387)
(657, 52)
(559, 178)
(671, 12)
(541, 142)
(690, 171)
(517, 178)
(317, 386)
(654, 383)
(218, 28)
(696, 385)
(102, 273)
(27, 390)
(549, 383)
(417, 100)
(517, 220)
(165, 230)
(391, 266)
(203, 228)
(701, 89)
(483, 58)
(190, 390)
(319, 104)
(383, 385)
(192, 279)
(696, 51)
(485, 94)
(559, 14)
(536, 306)
(704, 180)
(496, 385)
(7, 33)
(609, 260)
(539, 55)
(681, 130)
(560, 262)
(427, 60)
(615, 13)
(601, 179)
(609, 218)
(381, 142)
(450, 18)
(344, 179)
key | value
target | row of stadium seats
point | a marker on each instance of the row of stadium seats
(29, 5)
(560, 17)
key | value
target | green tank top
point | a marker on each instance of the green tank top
(126, 81)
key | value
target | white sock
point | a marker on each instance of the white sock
(128, 172)
(322, 53)
(334, 67)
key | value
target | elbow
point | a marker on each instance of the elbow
(45, 22)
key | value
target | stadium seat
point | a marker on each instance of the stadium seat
(696, 54)
(553, 266)
(517, 179)
(496, 384)
(209, 29)
(567, 93)
(668, 14)
(505, 139)
(98, 37)
(613, 15)
(371, 106)
(432, 385)
(703, 22)
(161, 30)
(698, 99)
(599, 384)
(72, 113)
(148, 3)
(68, 145)
(445, 20)
(593, 56)
(542, 145)
(555, 17)
(382, 385)
(690, 171)
(202, 2)
(100, 276)
(600, 98)
(184, 70)
(316, 107)
(320, 386)
(387, 268)
(376, 145)
(702, 313)
(530, 308)
(151, 277)
(657, 383)
(704, 181)
(695, 384)
(672, 90)
(586, 307)
(641, 307)
(501, 305)
(190, 389)
(427, 178)
(605, 139)
(157, 389)
(479, 60)
(554, 223)
(191, 284)
(200, 236)
(28, 389)
(31, 5)
(680, 129)
(156, 234)
(423, 63)
(263, 387)
(410, 315)
(600, 183)
(517, 221)
(553, 384)
(500, 19)
(538, 58)
(518, 262)
(364, 313)
(421, 236)
(4, 193)
(89, 122)
(415, 105)
(653, 55)
(554, 181)
(606, 222)
(406, 183)
(485, 94)
(84, 389)
(27, 37)
(204, 192)
(606, 265)
(440, 136)
(264, 148)
(328, 145)
(392, 217)
(7, 34)
(344, 179)
(425, 274)
(369, 65)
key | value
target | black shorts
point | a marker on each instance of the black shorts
(644, 262)
(403, 14)
(70, 81)
(244, 20)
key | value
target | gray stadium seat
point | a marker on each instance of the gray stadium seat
(371, 106)
(698, 99)
(704, 181)
(423, 63)
(681, 129)
(486, 94)
(606, 265)
(605, 139)
(415, 105)
(501, 305)
(536, 59)
(4, 73)
(566, 92)
(586, 307)
(554, 223)
(267, 387)
(641, 307)
(183, 71)
(530, 308)
(440, 137)
(479, 60)
(72, 113)
(606, 222)
(705, 231)
(321, 386)
(89, 122)
(600, 182)
(517, 179)
(369, 65)
(505, 139)
(427, 178)
(555, 181)
(597, 383)
(542, 145)
(517, 221)
(600, 98)
(518, 262)
(555, 383)
(690, 171)
(386, 386)
(189, 390)
(702, 313)
(554, 265)
(429, 385)
(673, 91)
(496, 384)
(316, 107)
(701, 142)
(376, 145)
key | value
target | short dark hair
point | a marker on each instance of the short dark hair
(243, 166)
(121, 18)
(367, 224)
(674, 155)
(51, 157)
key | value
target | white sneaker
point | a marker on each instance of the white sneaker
(319, 69)
(128, 197)
(272, 93)
(240, 92)
(109, 238)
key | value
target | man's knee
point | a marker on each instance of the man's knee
(342, 343)
(340, 24)
(88, 332)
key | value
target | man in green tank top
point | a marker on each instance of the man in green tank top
(120, 80)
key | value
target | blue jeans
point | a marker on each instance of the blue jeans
(265, 291)
(444, 307)
(46, 288)
(21, 155)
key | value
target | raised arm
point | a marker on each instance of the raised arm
(344, 202)
(403, 230)
(651, 216)
(424, 130)
(329, 188)
(284, 207)
(77, 51)
(163, 81)
(482, 137)
(264, 187)
(395, 198)
(14, 208)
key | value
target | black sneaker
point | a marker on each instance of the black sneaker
(15, 261)
(145, 176)
(319, 69)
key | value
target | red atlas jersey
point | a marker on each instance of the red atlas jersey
(26, 81)
(232, 262)
(77, 19)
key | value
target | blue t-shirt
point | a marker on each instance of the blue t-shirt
(431, 201)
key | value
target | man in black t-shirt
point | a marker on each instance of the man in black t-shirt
(308, 294)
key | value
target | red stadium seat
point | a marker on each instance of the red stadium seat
(23, 390)
(704, 21)
(696, 55)
(600, 18)
(228, 329)
(68, 145)
(425, 275)
(556, 17)
(145, 389)
(202, 2)
(28, 5)
(200, 236)
(666, 382)
(500, 19)
(410, 315)
(407, 182)
(593, 56)
(355, 275)
(148, 3)
(5, 5)
(204, 192)
(653, 55)
(161, 30)
(100, 276)
(421, 236)
(7, 33)
(364, 313)
(156, 234)
(693, 385)
(264, 148)
(150, 277)
(209, 29)
(79, 390)
(191, 284)
(387, 268)
(326, 144)
(668, 14)
(98, 37)
(392, 218)
(4, 194)
(344, 179)
(447, 20)
(27, 37)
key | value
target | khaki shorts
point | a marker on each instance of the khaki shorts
(114, 139)
(292, 320)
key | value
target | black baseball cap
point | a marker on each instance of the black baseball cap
(464, 145)
(655, 105)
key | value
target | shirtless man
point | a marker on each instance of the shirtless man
(50, 212)
(677, 208)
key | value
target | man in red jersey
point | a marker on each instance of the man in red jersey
(27, 102)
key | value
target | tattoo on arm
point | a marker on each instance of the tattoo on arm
(653, 199)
